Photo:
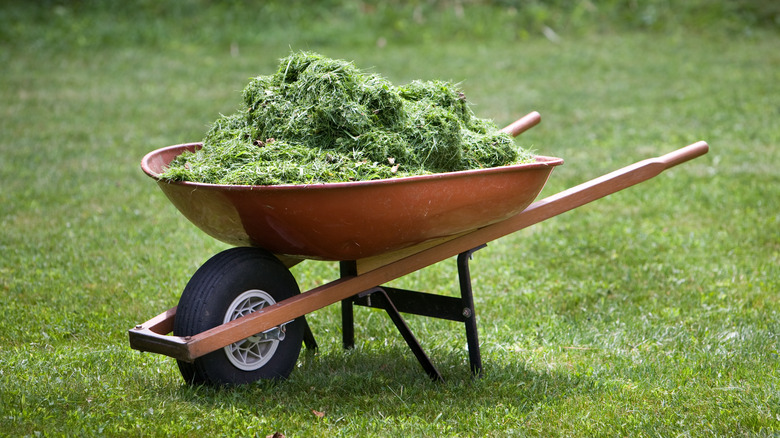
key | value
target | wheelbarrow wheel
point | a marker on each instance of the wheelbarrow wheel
(231, 284)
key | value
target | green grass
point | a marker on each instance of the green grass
(653, 312)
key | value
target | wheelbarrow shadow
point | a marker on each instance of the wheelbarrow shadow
(345, 385)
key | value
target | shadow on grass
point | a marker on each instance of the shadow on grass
(369, 386)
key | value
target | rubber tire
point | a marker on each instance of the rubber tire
(204, 304)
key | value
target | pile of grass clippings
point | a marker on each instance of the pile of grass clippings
(320, 120)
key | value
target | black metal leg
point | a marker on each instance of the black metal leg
(472, 337)
(347, 268)
(347, 324)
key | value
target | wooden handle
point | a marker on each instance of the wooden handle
(523, 124)
(684, 154)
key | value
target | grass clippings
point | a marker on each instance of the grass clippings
(319, 120)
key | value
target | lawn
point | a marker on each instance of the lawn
(653, 312)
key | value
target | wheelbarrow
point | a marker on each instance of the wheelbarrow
(241, 317)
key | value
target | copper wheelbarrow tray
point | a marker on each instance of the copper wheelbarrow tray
(352, 220)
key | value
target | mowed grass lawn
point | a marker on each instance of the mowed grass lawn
(654, 312)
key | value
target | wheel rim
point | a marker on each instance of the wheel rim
(255, 351)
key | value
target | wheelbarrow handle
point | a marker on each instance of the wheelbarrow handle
(684, 154)
(523, 124)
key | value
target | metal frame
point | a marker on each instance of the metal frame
(396, 301)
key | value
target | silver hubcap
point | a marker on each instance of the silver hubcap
(254, 351)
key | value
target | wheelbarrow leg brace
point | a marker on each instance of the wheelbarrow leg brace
(378, 297)
(394, 301)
